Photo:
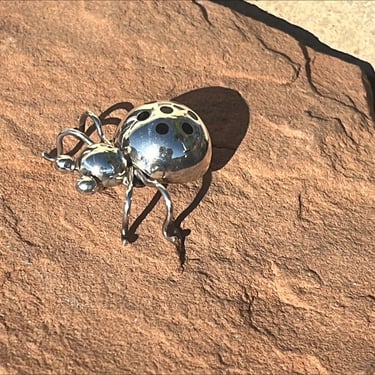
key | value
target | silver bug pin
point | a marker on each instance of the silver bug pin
(158, 143)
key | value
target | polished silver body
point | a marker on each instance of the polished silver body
(157, 144)
(167, 141)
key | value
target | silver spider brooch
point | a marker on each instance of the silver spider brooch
(158, 143)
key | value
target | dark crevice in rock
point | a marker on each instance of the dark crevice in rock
(343, 128)
(295, 66)
(316, 116)
(13, 223)
(203, 11)
(308, 69)
(315, 89)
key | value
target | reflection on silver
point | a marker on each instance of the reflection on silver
(157, 144)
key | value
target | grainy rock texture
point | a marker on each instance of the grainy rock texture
(280, 271)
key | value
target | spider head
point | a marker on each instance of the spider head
(100, 166)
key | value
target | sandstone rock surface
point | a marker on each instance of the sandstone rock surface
(280, 271)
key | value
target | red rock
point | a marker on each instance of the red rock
(279, 277)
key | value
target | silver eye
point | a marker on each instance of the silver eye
(87, 185)
(65, 163)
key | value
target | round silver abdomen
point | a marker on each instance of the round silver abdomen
(167, 141)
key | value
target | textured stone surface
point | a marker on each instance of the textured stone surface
(347, 26)
(279, 277)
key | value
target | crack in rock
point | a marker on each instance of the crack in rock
(203, 11)
(308, 70)
(12, 221)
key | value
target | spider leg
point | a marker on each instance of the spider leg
(59, 142)
(74, 132)
(168, 204)
(97, 123)
(127, 207)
